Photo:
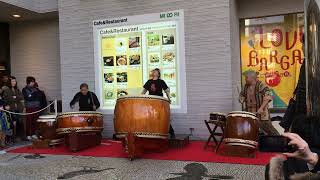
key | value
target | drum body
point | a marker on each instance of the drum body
(47, 125)
(218, 116)
(241, 129)
(86, 121)
(144, 116)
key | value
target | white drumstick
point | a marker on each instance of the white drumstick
(238, 90)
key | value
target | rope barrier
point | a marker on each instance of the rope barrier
(25, 114)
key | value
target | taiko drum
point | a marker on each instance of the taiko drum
(241, 129)
(144, 116)
(84, 121)
(47, 125)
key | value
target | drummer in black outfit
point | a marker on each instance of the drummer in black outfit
(155, 86)
(88, 100)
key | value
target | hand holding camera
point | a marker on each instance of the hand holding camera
(302, 149)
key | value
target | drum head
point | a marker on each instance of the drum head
(143, 97)
(79, 113)
(243, 114)
(46, 120)
(218, 113)
(48, 117)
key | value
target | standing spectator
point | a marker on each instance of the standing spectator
(32, 103)
(5, 82)
(14, 98)
(5, 125)
(42, 97)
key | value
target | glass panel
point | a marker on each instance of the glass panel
(272, 47)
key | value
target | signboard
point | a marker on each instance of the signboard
(127, 49)
(272, 47)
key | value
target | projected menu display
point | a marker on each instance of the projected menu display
(128, 54)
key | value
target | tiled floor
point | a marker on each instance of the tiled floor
(16, 167)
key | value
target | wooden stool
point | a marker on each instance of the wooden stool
(41, 144)
(79, 141)
(213, 133)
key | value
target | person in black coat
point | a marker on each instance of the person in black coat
(300, 104)
(88, 100)
(41, 96)
(32, 103)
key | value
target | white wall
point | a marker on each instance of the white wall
(207, 42)
(46, 5)
(235, 53)
(34, 50)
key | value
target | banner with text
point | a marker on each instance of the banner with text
(272, 46)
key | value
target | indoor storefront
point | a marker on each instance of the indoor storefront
(183, 89)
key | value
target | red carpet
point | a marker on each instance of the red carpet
(192, 152)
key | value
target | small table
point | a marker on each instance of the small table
(213, 133)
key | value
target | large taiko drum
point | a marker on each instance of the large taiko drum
(241, 129)
(47, 125)
(85, 121)
(144, 116)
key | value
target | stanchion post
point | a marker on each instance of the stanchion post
(56, 107)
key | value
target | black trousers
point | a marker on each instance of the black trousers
(171, 131)
(20, 126)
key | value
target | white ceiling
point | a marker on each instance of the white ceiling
(7, 10)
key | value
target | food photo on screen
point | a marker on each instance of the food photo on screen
(167, 39)
(121, 60)
(121, 45)
(122, 92)
(134, 59)
(168, 57)
(108, 77)
(109, 94)
(134, 42)
(122, 77)
(108, 61)
(154, 58)
(173, 94)
(169, 75)
(153, 39)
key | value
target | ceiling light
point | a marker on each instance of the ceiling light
(16, 15)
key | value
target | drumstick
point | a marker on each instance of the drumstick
(238, 90)
(239, 96)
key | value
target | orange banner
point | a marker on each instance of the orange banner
(272, 47)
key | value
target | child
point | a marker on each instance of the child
(5, 126)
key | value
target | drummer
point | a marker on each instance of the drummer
(88, 100)
(156, 86)
(256, 96)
